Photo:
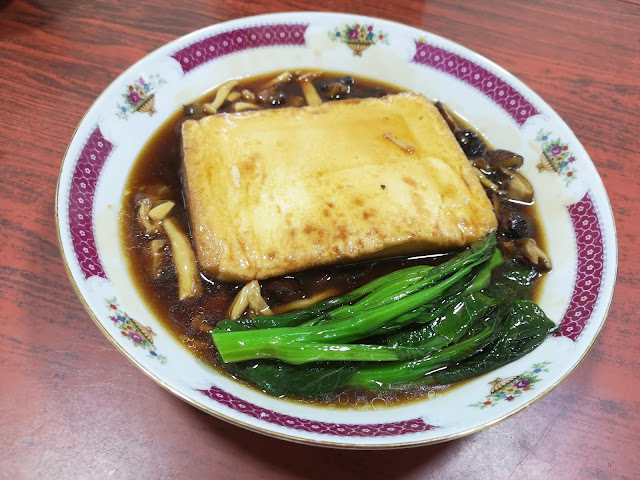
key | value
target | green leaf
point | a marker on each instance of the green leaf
(525, 327)
(309, 381)
(512, 281)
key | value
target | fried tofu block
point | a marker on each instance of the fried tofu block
(277, 191)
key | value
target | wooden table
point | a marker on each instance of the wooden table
(71, 406)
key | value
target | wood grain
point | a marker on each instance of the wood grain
(72, 407)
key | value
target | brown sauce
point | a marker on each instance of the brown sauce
(190, 320)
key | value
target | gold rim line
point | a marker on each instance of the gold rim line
(281, 435)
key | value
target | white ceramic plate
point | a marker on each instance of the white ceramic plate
(575, 210)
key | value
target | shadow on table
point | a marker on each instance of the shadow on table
(288, 459)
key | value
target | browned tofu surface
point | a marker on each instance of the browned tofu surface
(276, 191)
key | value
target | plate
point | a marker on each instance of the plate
(575, 210)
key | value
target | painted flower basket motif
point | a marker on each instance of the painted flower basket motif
(140, 335)
(140, 97)
(508, 389)
(358, 37)
(555, 157)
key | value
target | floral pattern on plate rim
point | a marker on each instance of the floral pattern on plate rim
(140, 96)
(555, 157)
(358, 37)
(508, 389)
(140, 335)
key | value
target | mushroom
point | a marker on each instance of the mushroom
(527, 250)
(518, 187)
(470, 142)
(492, 160)
(284, 77)
(221, 95)
(184, 260)
(143, 217)
(485, 181)
(272, 95)
(503, 158)
(248, 95)
(249, 297)
(308, 90)
(156, 247)
(305, 302)
(159, 212)
(513, 224)
(243, 106)
(337, 88)
(233, 96)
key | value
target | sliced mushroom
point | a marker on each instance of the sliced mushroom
(184, 259)
(493, 160)
(243, 106)
(518, 187)
(221, 95)
(502, 158)
(233, 96)
(305, 302)
(249, 297)
(284, 77)
(239, 304)
(256, 302)
(497, 204)
(143, 214)
(271, 96)
(485, 181)
(527, 250)
(308, 90)
(156, 247)
(159, 212)
(143, 217)
(248, 96)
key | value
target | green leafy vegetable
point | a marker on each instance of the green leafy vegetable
(512, 281)
(416, 326)
(279, 378)
(515, 330)
(352, 322)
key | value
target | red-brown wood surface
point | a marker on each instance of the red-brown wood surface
(71, 406)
